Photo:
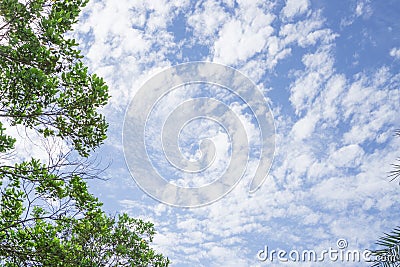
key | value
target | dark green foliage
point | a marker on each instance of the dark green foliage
(44, 85)
(47, 215)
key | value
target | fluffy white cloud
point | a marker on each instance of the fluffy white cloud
(206, 20)
(395, 52)
(240, 39)
(295, 7)
(304, 127)
(347, 156)
(307, 32)
(319, 67)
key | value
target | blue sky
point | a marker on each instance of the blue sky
(330, 73)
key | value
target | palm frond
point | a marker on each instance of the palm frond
(389, 255)
(395, 173)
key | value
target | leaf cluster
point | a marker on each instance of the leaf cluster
(44, 84)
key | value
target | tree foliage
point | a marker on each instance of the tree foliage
(44, 84)
(389, 254)
(47, 215)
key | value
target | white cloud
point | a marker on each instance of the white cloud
(370, 104)
(127, 38)
(307, 32)
(241, 39)
(363, 9)
(347, 156)
(206, 20)
(332, 96)
(294, 8)
(304, 127)
(395, 52)
(319, 67)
